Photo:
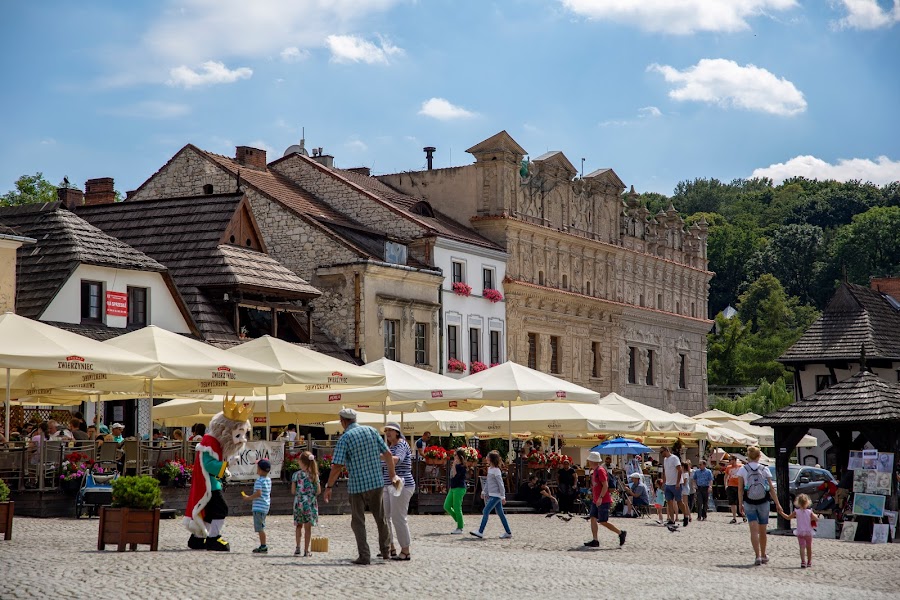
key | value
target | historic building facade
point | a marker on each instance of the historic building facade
(598, 290)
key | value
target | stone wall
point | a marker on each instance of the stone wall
(345, 197)
(185, 176)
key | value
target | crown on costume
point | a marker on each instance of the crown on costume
(236, 411)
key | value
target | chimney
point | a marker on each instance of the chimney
(71, 197)
(251, 157)
(99, 191)
(429, 155)
(365, 171)
(323, 159)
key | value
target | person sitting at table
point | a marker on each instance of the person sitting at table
(177, 435)
(75, 430)
(536, 495)
(117, 429)
(567, 480)
(636, 494)
(197, 432)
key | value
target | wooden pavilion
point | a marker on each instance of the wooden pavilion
(863, 408)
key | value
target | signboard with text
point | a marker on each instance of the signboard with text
(243, 466)
(117, 304)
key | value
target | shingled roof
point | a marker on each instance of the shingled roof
(63, 242)
(185, 234)
(856, 316)
(862, 398)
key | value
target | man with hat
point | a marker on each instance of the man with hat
(636, 494)
(602, 501)
(117, 429)
(361, 450)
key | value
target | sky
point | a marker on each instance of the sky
(661, 91)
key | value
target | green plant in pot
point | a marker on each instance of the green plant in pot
(6, 511)
(4, 491)
(140, 491)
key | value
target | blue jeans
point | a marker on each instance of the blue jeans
(493, 503)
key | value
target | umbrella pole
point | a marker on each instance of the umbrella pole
(6, 422)
(509, 412)
(149, 433)
(268, 436)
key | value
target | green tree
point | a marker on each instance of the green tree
(870, 245)
(794, 255)
(729, 248)
(767, 398)
(30, 189)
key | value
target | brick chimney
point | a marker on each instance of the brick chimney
(365, 171)
(99, 191)
(251, 157)
(886, 285)
(71, 197)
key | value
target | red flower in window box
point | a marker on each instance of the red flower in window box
(462, 289)
(456, 366)
(493, 295)
(478, 366)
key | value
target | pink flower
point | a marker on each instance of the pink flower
(493, 295)
(462, 289)
(478, 366)
(456, 366)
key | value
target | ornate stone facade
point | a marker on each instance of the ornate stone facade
(589, 276)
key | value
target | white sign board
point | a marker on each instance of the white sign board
(243, 467)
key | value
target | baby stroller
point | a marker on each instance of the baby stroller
(96, 491)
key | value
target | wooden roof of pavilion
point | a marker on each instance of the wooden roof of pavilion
(862, 398)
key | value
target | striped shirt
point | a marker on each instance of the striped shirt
(261, 504)
(403, 467)
(359, 449)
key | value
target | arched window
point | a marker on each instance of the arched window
(587, 288)
(422, 208)
(565, 282)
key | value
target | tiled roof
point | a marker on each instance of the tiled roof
(185, 234)
(856, 317)
(63, 241)
(281, 189)
(440, 224)
(862, 398)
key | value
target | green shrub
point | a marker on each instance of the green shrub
(4, 491)
(136, 492)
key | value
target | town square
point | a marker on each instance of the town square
(389, 298)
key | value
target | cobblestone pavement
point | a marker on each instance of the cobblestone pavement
(58, 558)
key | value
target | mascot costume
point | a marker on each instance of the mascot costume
(206, 510)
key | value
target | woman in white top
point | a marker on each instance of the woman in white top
(494, 495)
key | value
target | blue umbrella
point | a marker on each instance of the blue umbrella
(620, 446)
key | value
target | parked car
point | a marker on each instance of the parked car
(805, 480)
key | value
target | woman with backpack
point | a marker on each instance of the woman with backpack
(754, 492)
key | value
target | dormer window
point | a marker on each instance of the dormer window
(395, 253)
(422, 208)
(208, 189)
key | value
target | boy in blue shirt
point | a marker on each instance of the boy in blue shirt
(261, 499)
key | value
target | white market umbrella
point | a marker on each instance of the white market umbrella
(439, 422)
(569, 418)
(765, 435)
(657, 421)
(512, 383)
(305, 370)
(62, 356)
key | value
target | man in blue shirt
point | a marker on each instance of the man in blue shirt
(362, 450)
(703, 477)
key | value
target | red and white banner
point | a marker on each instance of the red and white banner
(117, 304)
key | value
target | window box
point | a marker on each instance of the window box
(462, 289)
(493, 295)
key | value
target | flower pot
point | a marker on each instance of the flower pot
(434, 461)
(471, 463)
(534, 465)
(6, 519)
(163, 479)
(128, 527)
(70, 486)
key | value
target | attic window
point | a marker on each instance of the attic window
(208, 189)
(423, 208)
(231, 239)
(249, 242)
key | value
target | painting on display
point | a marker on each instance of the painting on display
(885, 463)
(880, 533)
(848, 531)
(868, 505)
(892, 521)
(856, 460)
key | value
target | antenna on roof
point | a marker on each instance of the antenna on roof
(238, 188)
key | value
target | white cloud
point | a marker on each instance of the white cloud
(438, 108)
(351, 48)
(881, 171)
(151, 109)
(868, 14)
(293, 54)
(679, 17)
(649, 111)
(614, 123)
(356, 146)
(210, 73)
(726, 83)
(48, 142)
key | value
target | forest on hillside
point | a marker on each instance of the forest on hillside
(778, 253)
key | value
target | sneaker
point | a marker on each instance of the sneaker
(506, 536)
(809, 563)
(733, 521)
(298, 551)
(765, 560)
(758, 561)
(307, 554)
(456, 531)
(261, 550)
(477, 534)
(592, 544)
(685, 521)
(803, 565)
(745, 519)
(622, 535)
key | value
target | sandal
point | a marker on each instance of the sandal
(393, 554)
(401, 556)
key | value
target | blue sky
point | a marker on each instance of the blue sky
(659, 90)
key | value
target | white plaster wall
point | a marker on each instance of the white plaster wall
(468, 311)
(163, 311)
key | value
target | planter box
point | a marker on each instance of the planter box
(128, 526)
(6, 519)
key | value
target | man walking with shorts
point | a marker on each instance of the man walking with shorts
(673, 476)
(602, 501)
